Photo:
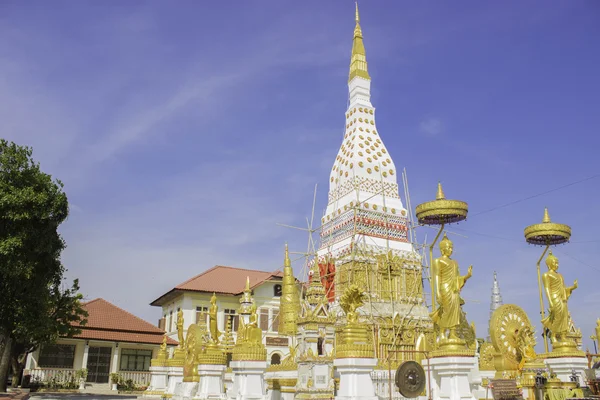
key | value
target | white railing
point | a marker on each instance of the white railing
(60, 375)
(383, 382)
(139, 378)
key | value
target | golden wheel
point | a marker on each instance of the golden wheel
(506, 323)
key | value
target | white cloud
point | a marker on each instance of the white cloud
(431, 127)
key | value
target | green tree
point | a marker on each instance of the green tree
(32, 206)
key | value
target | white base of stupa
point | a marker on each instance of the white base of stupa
(355, 378)
(450, 377)
(174, 376)
(563, 367)
(211, 382)
(185, 390)
(248, 382)
(159, 378)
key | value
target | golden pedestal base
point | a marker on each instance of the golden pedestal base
(452, 348)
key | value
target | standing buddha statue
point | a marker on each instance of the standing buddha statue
(447, 285)
(180, 328)
(557, 321)
(212, 317)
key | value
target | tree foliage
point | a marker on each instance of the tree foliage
(34, 307)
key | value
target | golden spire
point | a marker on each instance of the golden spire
(546, 215)
(290, 300)
(246, 300)
(315, 292)
(287, 262)
(440, 192)
(358, 60)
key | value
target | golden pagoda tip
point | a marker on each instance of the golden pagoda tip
(440, 192)
(546, 215)
(287, 262)
(247, 289)
(356, 17)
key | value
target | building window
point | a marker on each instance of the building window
(275, 359)
(233, 317)
(135, 360)
(275, 325)
(277, 290)
(57, 356)
(201, 314)
(171, 321)
(162, 323)
(264, 319)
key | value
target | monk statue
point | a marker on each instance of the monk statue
(557, 321)
(212, 317)
(180, 328)
(447, 285)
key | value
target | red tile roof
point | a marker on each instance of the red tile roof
(223, 280)
(109, 322)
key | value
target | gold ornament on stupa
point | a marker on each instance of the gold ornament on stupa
(290, 300)
(249, 346)
(548, 233)
(354, 339)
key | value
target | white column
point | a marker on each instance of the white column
(114, 367)
(84, 360)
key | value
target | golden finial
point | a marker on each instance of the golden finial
(287, 262)
(358, 60)
(440, 192)
(247, 288)
(546, 216)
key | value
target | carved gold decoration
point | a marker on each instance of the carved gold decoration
(355, 339)
(486, 357)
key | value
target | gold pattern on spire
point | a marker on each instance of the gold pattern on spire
(546, 216)
(358, 60)
(290, 301)
(315, 292)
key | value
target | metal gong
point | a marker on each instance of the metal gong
(410, 379)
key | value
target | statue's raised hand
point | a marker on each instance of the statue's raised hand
(470, 272)
(575, 285)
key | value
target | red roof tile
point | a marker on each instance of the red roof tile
(106, 321)
(223, 280)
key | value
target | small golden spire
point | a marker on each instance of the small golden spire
(247, 288)
(358, 60)
(440, 192)
(287, 262)
(546, 216)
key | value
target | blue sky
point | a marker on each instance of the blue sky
(184, 132)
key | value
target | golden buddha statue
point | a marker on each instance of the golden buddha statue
(180, 328)
(447, 285)
(558, 294)
(249, 332)
(163, 347)
(212, 317)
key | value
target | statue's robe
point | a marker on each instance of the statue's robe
(557, 320)
(447, 287)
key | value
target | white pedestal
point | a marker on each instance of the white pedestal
(185, 390)
(355, 378)
(211, 382)
(248, 380)
(451, 377)
(159, 378)
(174, 376)
(563, 368)
(283, 392)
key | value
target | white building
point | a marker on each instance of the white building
(112, 341)
(193, 298)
